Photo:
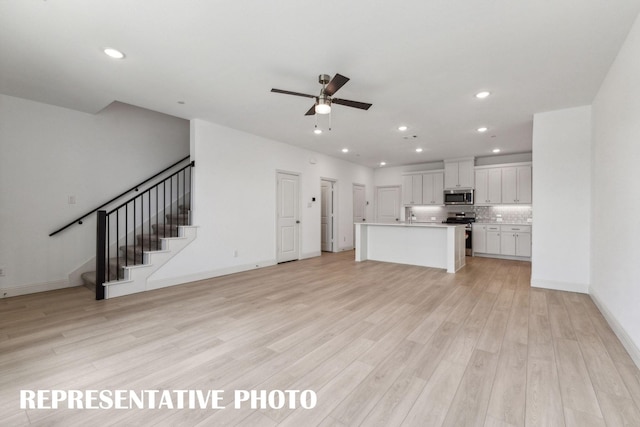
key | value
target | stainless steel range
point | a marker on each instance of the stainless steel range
(466, 218)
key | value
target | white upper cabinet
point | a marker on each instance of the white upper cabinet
(459, 173)
(488, 186)
(412, 190)
(516, 184)
(423, 188)
(433, 188)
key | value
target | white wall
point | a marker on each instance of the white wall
(48, 153)
(235, 202)
(615, 270)
(562, 199)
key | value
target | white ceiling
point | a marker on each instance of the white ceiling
(419, 62)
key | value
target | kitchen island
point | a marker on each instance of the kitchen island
(425, 244)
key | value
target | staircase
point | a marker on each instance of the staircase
(164, 239)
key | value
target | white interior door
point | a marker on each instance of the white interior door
(326, 215)
(388, 204)
(288, 218)
(359, 207)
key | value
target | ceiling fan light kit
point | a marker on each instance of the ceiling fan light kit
(322, 104)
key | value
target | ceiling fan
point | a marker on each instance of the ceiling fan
(325, 99)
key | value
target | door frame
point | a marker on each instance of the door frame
(353, 200)
(334, 228)
(277, 224)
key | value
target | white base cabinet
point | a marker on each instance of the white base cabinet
(516, 241)
(510, 241)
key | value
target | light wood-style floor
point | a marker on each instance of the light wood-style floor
(381, 345)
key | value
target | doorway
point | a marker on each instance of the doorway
(287, 217)
(327, 225)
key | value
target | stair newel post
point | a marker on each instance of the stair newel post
(101, 260)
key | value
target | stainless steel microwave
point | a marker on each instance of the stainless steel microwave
(458, 197)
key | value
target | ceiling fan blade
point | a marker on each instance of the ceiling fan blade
(336, 83)
(311, 111)
(354, 104)
(288, 92)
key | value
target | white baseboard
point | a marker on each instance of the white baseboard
(210, 274)
(310, 255)
(163, 283)
(14, 291)
(582, 288)
(617, 328)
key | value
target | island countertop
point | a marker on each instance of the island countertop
(414, 224)
(426, 244)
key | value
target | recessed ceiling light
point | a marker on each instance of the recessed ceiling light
(496, 150)
(345, 150)
(482, 129)
(483, 94)
(418, 150)
(113, 53)
(383, 163)
(317, 131)
(402, 128)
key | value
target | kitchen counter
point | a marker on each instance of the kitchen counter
(426, 244)
(414, 224)
(503, 223)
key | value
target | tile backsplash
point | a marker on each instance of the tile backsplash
(509, 214)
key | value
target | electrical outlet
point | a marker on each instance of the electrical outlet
(71, 200)
(2, 271)
(235, 253)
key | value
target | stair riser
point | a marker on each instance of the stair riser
(149, 242)
(165, 230)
